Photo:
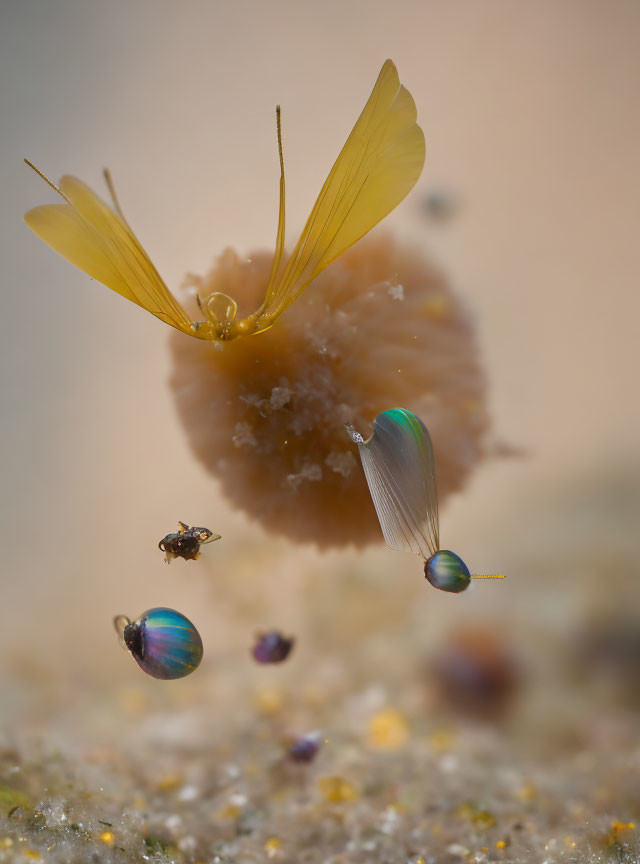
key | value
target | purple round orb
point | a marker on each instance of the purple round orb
(272, 647)
(305, 749)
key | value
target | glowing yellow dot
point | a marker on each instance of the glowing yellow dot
(272, 847)
(6, 843)
(336, 790)
(269, 700)
(569, 842)
(107, 836)
(501, 844)
(33, 854)
(388, 730)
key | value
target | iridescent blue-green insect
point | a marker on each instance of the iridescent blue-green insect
(399, 466)
(163, 642)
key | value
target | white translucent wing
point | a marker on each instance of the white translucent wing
(400, 470)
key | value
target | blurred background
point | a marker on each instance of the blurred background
(531, 116)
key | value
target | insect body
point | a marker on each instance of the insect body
(163, 642)
(377, 167)
(185, 542)
(400, 470)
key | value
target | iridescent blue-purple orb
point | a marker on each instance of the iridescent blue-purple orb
(164, 643)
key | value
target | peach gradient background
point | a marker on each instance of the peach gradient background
(531, 116)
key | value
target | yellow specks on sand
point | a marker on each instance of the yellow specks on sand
(441, 740)
(269, 700)
(388, 730)
(527, 792)
(336, 790)
(170, 782)
(272, 847)
(618, 828)
(230, 813)
(482, 819)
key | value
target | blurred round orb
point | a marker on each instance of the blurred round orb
(164, 643)
(272, 647)
(305, 749)
(378, 328)
(447, 571)
(475, 672)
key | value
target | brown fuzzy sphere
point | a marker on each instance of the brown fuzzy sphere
(265, 414)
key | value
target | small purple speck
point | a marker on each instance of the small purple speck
(272, 647)
(305, 749)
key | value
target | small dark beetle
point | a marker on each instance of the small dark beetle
(185, 543)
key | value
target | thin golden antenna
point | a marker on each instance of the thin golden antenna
(112, 191)
(46, 179)
(279, 132)
(488, 576)
(280, 235)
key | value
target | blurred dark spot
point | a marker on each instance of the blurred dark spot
(475, 672)
(272, 647)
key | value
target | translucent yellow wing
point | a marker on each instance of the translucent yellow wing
(98, 241)
(378, 166)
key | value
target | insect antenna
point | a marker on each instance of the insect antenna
(281, 220)
(46, 179)
(112, 191)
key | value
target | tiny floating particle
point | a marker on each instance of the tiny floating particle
(107, 837)
(185, 542)
(440, 204)
(400, 470)
(272, 647)
(163, 642)
(305, 749)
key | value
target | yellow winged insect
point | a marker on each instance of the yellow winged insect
(378, 166)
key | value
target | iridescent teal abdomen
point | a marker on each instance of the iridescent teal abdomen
(447, 571)
(164, 643)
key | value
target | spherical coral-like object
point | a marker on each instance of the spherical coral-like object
(380, 328)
